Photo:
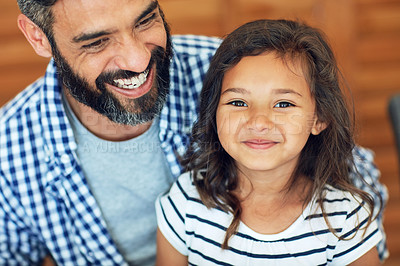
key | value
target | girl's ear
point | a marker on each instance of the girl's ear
(35, 36)
(318, 127)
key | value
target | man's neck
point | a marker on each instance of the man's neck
(101, 126)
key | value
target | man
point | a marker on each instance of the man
(86, 150)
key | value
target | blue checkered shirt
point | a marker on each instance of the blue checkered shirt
(45, 202)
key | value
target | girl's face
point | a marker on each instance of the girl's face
(265, 114)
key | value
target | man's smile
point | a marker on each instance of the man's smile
(133, 82)
(135, 86)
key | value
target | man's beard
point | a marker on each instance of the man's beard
(132, 111)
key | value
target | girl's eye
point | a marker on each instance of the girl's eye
(284, 105)
(238, 103)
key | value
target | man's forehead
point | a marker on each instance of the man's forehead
(84, 10)
(85, 16)
(103, 5)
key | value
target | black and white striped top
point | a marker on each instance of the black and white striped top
(198, 232)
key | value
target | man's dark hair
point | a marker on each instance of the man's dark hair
(39, 11)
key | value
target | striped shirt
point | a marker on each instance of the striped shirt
(197, 232)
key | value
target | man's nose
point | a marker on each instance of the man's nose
(132, 55)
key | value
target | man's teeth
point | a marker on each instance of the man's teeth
(132, 83)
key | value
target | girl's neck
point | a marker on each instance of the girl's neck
(271, 205)
(263, 183)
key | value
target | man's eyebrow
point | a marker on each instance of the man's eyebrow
(94, 35)
(152, 6)
(90, 36)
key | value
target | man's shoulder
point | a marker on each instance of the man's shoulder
(22, 104)
(19, 132)
(195, 44)
(29, 101)
(191, 59)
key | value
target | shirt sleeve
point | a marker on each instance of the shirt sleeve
(171, 211)
(364, 163)
(18, 244)
(358, 238)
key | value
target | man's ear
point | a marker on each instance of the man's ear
(318, 127)
(35, 36)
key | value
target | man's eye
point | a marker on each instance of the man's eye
(147, 20)
(284, 105)
(238, 103)
(95, 45)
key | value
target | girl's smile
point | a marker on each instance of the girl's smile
(259, 144)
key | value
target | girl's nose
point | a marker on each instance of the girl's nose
(260, 121)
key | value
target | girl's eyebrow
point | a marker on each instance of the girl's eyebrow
(275, 91)
(236, 90)
(286, 91)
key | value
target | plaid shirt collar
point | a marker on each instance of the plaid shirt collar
(59, 141)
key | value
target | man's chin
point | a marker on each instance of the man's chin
(134, 111)
(131, 119)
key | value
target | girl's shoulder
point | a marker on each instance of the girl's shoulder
(185, 187)
(340, 206)
(350, 217)
(335, 197)
(184, 199)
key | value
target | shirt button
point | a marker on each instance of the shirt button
(64, 158)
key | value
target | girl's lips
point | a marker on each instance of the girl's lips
(138, 92)
(259, 144)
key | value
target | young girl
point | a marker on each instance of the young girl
(267, 180)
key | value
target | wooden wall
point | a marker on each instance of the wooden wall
(365, 35)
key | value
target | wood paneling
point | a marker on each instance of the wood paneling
(365, 35)
(376, 76)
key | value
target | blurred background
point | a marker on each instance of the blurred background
(365, 36)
